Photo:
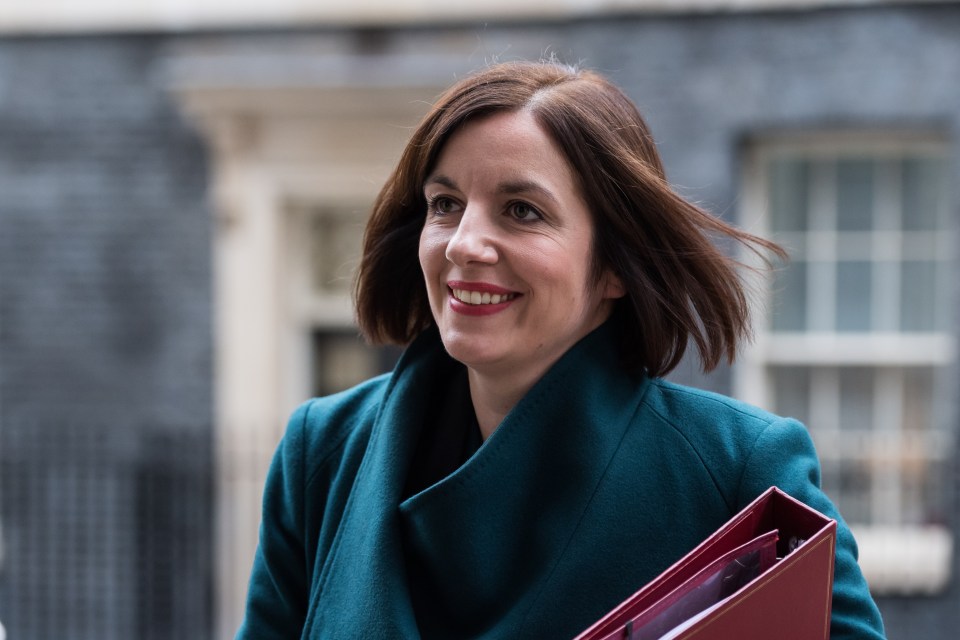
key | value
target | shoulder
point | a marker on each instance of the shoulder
(746, 450)
(322, 429)
(683, 403)
(731, 438)
(315, 465)
(705, 416)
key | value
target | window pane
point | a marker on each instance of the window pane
(852, 490)
(821, 295)
(789, 180)
(789, 310)
(922, 473)
(856, 398)
(918, 399)
(924, 192)
(920, 246)
(923, 491)
(854, 195)
(335, 244)
(886, 296)
(854, 286)
(792, 392)
(918, 311)
(341, 360)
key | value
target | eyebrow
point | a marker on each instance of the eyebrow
(514, 187)
(441, 180)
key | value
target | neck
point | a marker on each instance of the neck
(493, 397)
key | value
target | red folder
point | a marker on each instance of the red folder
(734, 585)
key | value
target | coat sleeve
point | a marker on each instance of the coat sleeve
(784, 456)
(277, 596)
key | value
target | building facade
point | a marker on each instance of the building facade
(179, 216)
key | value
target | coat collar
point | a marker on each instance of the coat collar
(479, 546)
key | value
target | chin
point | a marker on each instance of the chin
(470, 351)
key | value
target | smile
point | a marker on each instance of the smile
(475, 297)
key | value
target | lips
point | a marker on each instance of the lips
(479, 296)
(475, 297)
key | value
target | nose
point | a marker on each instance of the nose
(474, 239)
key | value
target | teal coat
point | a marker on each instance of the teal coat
(595, 483)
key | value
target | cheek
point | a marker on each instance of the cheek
(421, 253)
(431, 252)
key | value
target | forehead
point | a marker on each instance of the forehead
(505, 143)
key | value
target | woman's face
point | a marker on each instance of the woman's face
(506, 249)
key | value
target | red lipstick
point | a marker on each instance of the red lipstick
(482, 288)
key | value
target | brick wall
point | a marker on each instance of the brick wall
(105, 346)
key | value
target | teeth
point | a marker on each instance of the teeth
(475, 297)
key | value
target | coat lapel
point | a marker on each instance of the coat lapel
(483, 543)
(471, 555)
(363, 583)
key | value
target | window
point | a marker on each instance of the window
(856, 337)
(325, 245)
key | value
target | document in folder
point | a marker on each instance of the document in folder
(766, 573)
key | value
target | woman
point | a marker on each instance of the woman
(525, 468)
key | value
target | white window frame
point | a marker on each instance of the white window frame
(314, 308)
(272, 146)
(895, 558)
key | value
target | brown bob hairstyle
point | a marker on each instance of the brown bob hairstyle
(679, 285)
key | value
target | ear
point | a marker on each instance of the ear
(611, 286)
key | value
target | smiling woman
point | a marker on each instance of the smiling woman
(505, 219)
(530, 254)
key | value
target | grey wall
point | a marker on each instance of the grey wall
(105, 237)
(105, 346)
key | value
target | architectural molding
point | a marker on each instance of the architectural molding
(273, 149)
(60, 16)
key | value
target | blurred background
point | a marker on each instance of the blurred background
(183, 186)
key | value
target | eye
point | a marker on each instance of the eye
(441, 205)
(523, 212)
